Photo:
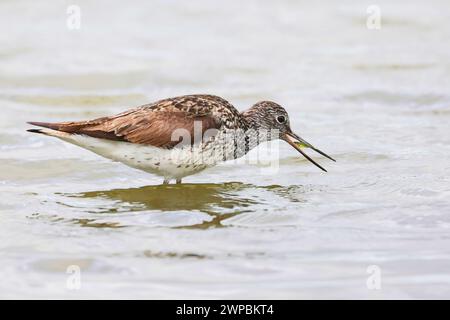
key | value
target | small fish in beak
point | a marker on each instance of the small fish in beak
(297, 142)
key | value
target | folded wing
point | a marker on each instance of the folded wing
(152, 124)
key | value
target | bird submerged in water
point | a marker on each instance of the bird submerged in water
(180, 136)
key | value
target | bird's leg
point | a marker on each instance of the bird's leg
(166, 181)
(178, 180)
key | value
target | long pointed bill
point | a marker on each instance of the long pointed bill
(297, 142)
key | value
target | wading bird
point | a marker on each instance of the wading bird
(160, 137)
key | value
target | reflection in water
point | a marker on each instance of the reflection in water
(201, 197)
(216, 221)
(218, 201)
(294, 193)
(187, 255)
(92, 223)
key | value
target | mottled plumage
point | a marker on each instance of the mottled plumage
(178, 136)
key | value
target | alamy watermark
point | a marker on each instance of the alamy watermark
(374, 280)
(73, 21)
(199, 148)
(73, 281)
(373, 21)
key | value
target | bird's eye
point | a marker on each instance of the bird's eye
(281, 119)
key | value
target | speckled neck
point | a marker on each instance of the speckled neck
(253, 119)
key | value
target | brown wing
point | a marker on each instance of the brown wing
(152, 124)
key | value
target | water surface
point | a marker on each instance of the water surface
(376, 100)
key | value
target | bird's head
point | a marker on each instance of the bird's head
(272, 121)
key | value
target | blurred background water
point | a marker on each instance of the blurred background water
(376, 100)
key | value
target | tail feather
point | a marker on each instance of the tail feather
(51, 130)
(63, 129)
(54, 126)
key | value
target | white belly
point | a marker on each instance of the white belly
(173, 164)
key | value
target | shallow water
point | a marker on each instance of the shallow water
(376, 100)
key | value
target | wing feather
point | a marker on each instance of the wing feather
(153, 124)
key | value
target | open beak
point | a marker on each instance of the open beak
(297, 142)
